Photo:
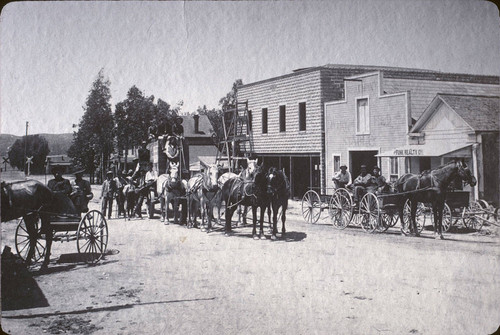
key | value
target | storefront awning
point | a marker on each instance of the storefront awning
(424, 150)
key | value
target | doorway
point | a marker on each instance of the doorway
(358, 158)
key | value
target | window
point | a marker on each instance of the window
(264, 120)
(336, 163)
(302, 116)
(282, 118)
(249, 120)
(362, 117)
(394, 169)
(407, 165)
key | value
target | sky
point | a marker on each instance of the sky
(51, 52)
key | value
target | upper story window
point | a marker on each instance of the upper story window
(302, 116)
(264, 120)
(282, 118)
(249, 120)
(362, 116)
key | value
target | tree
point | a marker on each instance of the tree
(230, 99)
(216, 115)
(93, 142)
(36, 147)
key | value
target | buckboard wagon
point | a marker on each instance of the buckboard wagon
(379, 211)
(90, 232)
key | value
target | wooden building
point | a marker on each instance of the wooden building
(375, 124)
(287, 113)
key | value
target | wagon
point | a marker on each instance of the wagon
(375, 211)
(90, 232)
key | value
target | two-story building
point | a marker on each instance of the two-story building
(373, 125)
(288, 113)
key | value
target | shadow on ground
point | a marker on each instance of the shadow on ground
(19, 289)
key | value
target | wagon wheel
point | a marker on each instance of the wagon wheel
(23, 241)
(340, 210)
(311, 207)
(388, 219)
(447, 218)
(419, 217)
(370, 210)
(472, 216)
(92, 236)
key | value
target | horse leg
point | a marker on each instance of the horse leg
(440, 208)
(262, 215)
(203, 212)
(414, 217)
(47, 230)
(283, 219)
(30, 221)
(254, 223)
(275, 221)
(229, 215)
(162, 209)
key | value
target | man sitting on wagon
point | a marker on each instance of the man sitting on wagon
(59, 184)
(82, 192)
(360, 183)
(377, 181)
(342, 178)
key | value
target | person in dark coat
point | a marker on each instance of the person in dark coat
(108, 192)
(59, 184)
(82, 192)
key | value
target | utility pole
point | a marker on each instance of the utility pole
(25, 147)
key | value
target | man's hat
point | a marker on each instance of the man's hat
(109, 173)
(129, 178)
(363, 166)
(343, 166)
(376, 168)
(130, 172)
(79, 170)
(57, 168)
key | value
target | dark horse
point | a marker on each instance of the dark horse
(430, 187)
(32, 200)
(248, 192)
(278, 192)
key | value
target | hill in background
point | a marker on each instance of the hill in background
(58, 143)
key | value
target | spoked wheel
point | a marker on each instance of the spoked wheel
(92, 236)
(419, 217)
(472, 215)
(387, 220)
(311, 207)
(370, 210)
(340, 209)
(23, 239)
(447, 218)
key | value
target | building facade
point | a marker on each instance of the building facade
(374, 125)
(288, 113)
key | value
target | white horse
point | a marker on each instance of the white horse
(202, 190)
(171, 189)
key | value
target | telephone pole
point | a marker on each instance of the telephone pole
(25, 148)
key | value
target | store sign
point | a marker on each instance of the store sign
(408, 152)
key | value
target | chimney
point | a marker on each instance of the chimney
(196, 118)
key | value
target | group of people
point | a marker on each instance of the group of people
(78, 190)
(365, 182)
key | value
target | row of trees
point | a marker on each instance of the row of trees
(101, 132)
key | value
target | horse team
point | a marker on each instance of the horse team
(254, 188)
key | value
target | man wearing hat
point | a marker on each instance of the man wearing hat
(377, 181)
(178, 129)
(107, 194)
(342, 178)
(59, 184)
(360, 183)
(82, 193)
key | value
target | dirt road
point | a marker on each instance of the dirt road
(166, 279)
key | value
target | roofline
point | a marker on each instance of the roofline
(371, 68)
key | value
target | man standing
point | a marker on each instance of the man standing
(59, 184)
(108, 191)
(342, 178)
(82, 192)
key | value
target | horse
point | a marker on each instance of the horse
(248, 192)
(203, 190)
(172, 187)
(430, 187)
(278, 192)
(32, 200)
